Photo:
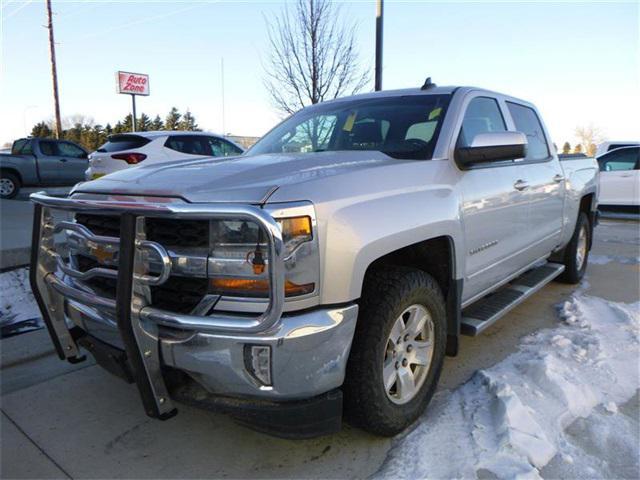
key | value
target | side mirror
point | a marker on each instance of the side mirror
(492, 147)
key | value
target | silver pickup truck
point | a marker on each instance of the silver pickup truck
(331, 268)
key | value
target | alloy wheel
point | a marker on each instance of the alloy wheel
(408, 354)
(7, 187)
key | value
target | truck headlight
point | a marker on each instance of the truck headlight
(238, 264)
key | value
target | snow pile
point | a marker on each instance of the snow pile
(17, 305)
(546, 410)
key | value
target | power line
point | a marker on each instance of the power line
(136, 22)
(16, 10)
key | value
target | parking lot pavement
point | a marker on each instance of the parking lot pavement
(82, 422)
(16, 218)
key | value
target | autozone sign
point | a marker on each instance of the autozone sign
(132, 83)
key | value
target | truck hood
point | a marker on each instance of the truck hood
(245, 179)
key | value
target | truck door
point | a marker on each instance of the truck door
(60, 163)
(619, 177)
(49, 164)
(494, 207)
(544, 177)
(75, 162)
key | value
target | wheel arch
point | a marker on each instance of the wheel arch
(13, 171)
(437, 257)
(588, 205)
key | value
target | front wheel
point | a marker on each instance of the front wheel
(9, 185)
(576, 255)
(397, 352)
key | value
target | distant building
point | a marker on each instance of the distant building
(246, 142)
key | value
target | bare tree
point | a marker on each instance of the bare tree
(589, 136)
(71, 121)
(313, 56)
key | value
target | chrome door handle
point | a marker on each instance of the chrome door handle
(521, 185)
(558, 178)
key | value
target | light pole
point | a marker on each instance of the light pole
(379, 15)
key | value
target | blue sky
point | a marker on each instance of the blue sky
(579, 62)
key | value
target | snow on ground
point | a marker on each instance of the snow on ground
(17, 305)
(565, 405)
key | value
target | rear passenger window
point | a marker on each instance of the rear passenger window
(48, 149)
(27, 149)
(18, 145)
(482, 116)
(118, 143)
(527, 122)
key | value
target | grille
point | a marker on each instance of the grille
(104, 286)
(178, 233)
(168, 233)
(177, 294)
(103, 225)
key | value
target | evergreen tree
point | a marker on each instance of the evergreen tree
(173, 119)
(74, 134)
(577, 149)
(144, 123)
(157, 124)
(127, 124)
(188, 122)
(41, 130)
(566, 148)
(108, 130)
(94, 137)
(118, 128)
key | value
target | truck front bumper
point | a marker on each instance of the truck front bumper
(275, 362)
(308, 352)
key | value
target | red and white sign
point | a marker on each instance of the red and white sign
(133, 83)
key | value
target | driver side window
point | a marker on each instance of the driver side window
(482, 116)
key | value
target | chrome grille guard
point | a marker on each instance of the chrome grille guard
(138, 321)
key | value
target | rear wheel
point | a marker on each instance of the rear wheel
(398, 350)
(9, 185)
(576, 254)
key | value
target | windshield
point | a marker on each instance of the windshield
(402, 127)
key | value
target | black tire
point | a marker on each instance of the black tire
(573, 272)
(387, 293)
(10, 179)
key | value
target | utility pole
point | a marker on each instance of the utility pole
(54, 72)
(379, 15)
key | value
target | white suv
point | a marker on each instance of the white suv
(128, 150)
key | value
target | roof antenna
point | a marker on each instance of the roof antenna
(427, 84)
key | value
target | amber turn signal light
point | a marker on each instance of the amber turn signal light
(255, 288)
